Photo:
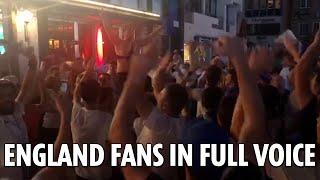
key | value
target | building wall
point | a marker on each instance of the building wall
(209, 26)
(309, 15)
(265, 20)
(139, 4)
(202, 27)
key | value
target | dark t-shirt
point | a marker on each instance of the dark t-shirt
(205, 132)
(307, 119)
(251, 172)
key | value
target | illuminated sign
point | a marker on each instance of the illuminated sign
(96, 4)
(99, 46)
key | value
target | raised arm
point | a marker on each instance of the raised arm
(107, 26)
(27, 83)
(64, 137)
(253, 129)
(122, 123)
(89, 70)
(145, 40)
(303, 73)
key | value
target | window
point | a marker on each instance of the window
(157, 6)
(264, 29)
(211, 7)
(194, 6)
(249, 4)
(271, 4)
(316, 26)
(263, 4)
(2, 47)
(305, 3)
(304, 29)
(274, 4)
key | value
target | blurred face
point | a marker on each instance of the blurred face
(53, 83)
(7, 101)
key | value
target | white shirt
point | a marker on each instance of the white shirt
(12, 130)
(285, 73)
(91, 127)
(159, 128)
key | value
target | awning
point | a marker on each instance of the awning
(90, 8)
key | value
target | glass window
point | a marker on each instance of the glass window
(264, 29)
(157, 6)
(316, 26)
(304, 28)
(196, 6)
(211, 7)
(305, 3)
(271, 4)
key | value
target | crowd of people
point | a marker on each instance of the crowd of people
(262, 95)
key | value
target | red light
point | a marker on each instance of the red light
(99, 46)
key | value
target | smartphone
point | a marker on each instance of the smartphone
(64, 87)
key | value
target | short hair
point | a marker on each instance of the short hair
(89, 91)
(210, 99)
(271, 100)
(177, 97)
(225, 111)
(241, 173)
(234, 76)
(213, 75)
(50, 81)
(7, 84)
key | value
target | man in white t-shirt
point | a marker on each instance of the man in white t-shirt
(90, 125)
(162, 124)
(12, 126)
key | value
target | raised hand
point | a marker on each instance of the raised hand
(231, 47)
(292, 46)
(60, 105)
(143, 63)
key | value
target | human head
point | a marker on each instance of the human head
(106, 99)
(160, 80)
(210, 101)
(225, 111)
(54, 71)
(53, 82)
(213, 76)
(104, 80)
(273, 110)
(89, 91)
(231, 80)
(8, 93)
(287, 59)
(173, 99)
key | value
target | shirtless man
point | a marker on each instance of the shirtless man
(124, 44)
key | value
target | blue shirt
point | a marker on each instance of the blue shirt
(205, 132)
